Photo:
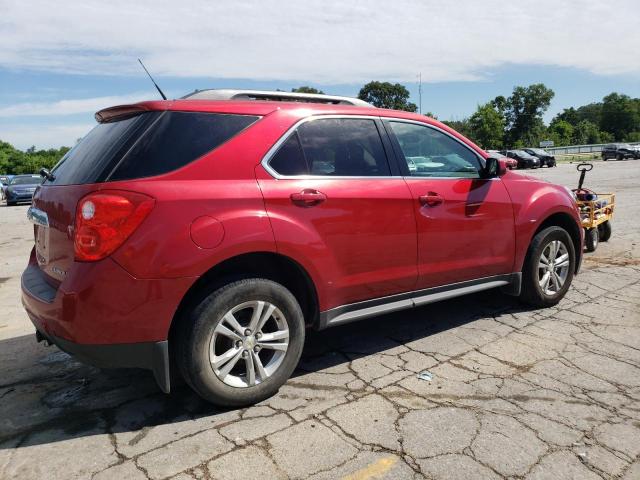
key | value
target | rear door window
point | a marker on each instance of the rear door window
(342, 147)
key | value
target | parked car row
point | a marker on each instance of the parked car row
(526, 158)
(18, 188)
(620, 151)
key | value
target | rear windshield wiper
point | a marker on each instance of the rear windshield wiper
(45, 173)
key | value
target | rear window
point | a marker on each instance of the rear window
(149, 144)
(97, 153)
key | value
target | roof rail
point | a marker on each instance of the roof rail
(273, 96)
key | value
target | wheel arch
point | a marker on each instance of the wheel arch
(269, 265)
(568, 223)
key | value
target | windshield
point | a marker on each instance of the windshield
(30, 180)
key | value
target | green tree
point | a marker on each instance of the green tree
(570, 115)
(461, 126)
(523, 112)
(487, 127)
(586, 132)
(306, 89)
(620, 115)
(561, 132)
(387, 95)
(14, 161)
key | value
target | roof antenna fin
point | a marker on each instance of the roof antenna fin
(164, 97)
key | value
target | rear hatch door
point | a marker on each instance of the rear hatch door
(81, 171)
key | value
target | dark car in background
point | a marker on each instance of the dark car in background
(21, 188)
(619, 151)
(523, 158)
(545, 157)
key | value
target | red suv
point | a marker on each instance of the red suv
(209, 234)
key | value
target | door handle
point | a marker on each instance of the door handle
(308, 198)
(431, 199)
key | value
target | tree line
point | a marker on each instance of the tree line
(15, 162)
(514, 121)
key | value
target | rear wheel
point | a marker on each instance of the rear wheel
(604, 231)
(619, 157)
(242, 342)
(591, 239)
(11, 204)
(549, 267)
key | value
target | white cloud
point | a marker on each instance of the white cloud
(68, 107)
(319, 41)
(22, 136)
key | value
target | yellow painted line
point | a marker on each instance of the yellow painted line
(375, 470)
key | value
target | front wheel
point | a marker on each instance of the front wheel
(549, 267)
(242, 342)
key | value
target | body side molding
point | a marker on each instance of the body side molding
(369, 308)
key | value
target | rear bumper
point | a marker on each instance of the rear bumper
(100, 303)
(104, 316)
(152, 356)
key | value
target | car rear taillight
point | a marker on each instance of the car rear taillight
(104, 220)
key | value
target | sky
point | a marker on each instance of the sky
(62, 61)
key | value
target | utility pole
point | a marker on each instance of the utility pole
(420, 93)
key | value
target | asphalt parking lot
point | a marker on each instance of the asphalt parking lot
(515, 392)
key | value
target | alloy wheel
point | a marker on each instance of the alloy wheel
(249, 344)
(553, 267)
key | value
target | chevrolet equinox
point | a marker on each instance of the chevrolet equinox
(204, 235)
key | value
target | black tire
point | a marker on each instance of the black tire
(196, 332)
(591, 239)
(11, 204)
(604, 158)
(619, 157)
(604, 231)
(532, 293)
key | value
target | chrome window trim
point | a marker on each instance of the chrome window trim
(276, 146)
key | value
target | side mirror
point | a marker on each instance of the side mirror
(494, 167)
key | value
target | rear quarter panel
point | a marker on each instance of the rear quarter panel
(221, 185)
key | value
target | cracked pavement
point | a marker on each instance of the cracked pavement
(516, 393)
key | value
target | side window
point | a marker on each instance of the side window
(289, 159)
(431, 153)
(333, 147)
(176, 139)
